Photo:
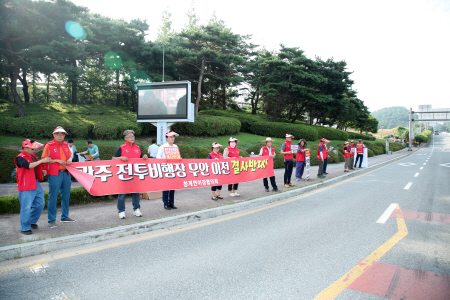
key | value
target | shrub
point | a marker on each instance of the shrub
(7, 157)
(187, 151)
(80, 121)
(395, 146)
(10, 204)
(203, 151)
(205, 125)
(357, 136)
(370, 153)
(279, 130)
(333, 157)
(244, 118)
(331, 133)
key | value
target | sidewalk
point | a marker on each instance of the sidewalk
(100, 221)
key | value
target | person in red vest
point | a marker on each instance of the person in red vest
(321, 149)
(123, 153)
(169, 151)
(352, 148)
(288, 160)
(268, 150)
(359, 153)
(29, 172)
(325, 161)
(59, 180)
(346, 156)
(215, 155)
(300, 159)
(232, 152)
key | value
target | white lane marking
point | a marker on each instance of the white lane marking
(421, 168)
(408, 186)
(424, 164)
(417, 174)
(387, 213)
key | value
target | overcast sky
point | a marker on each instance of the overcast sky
(398, 50)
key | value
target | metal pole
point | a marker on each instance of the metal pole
(163, 63)
(410, 129)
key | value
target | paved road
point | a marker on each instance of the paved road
(331, 244)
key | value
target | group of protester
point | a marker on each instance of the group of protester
(58, 154)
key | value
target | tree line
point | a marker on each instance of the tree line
(61, 52)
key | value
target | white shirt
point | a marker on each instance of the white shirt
(153, 150)
(161, 153)
(72, 149)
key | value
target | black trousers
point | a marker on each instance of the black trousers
(272, 182)
(358, 156)
(217, 187)
(233, 186)
(288, 167)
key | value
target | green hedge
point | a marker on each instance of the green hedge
(80, 121)
(244, 118)
(357, 136)
(205, 125)
(10, 204)
(331, 133)
(395, 146)
(7, 157)
(279, 130)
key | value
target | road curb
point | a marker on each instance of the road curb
(44, 246)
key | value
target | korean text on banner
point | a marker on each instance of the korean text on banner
(139, 175)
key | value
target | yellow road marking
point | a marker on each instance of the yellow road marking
(140, 239)
(342, 283)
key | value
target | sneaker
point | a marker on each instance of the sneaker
(267, 190)
(237, 195)
(26, 232)
(286, 185)
(232, 194)
(52, 225)
(137, 212)
(290, 184)
(297, 179)
(34, 226)
(325, 173)
(275, 190)
(122, 215)
(67, 220)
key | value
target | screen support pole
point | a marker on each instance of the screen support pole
(161, 128)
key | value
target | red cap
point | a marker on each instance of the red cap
(29, 144)
(323, 139)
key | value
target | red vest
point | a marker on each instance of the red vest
(53, 147)
(265, 150)
(318, 151)
(351, 147)
(26, 178)
(360, 148)
(233, 152)
(346, 151)
(214, 155)
(130, 151)
(287, 149)
(300, 155)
